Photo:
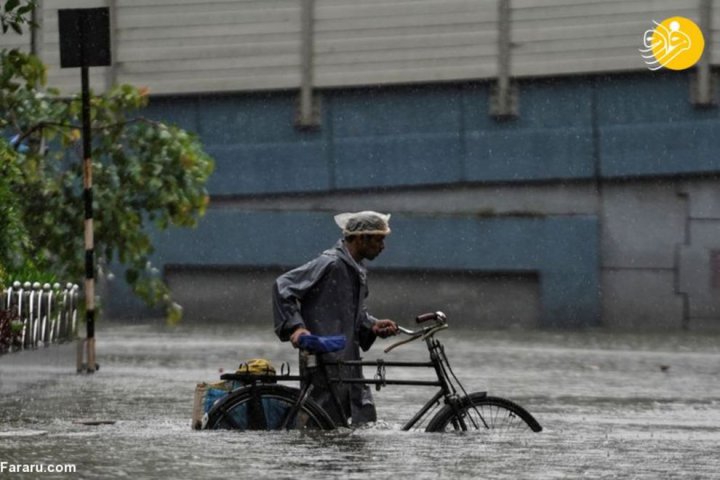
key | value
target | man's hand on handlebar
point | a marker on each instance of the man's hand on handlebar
(295, 336)
(385, 328)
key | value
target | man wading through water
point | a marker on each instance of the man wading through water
(326, 296)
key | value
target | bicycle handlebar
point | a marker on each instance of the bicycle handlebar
(425, 332)
(438, 316)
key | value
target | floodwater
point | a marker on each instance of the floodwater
(612, 406)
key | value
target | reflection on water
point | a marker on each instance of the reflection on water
(613, 406)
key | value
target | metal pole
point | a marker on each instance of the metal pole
(503, 56)
(88, 29)
(89, 239)
(34, 30)
(307, 116)
(703, 87)
(111, 71)
(504, 103)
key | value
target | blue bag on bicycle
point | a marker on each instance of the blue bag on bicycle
(322, 344)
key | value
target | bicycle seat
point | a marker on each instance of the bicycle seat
(322, 344)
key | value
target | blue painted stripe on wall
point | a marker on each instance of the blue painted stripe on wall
(443, 134)
(648, 126)
(370, 113)
(562, 250)
(652, 98)
(251, 119)
(228, 237)
(550, 139)
(539, 154)
(555, 103)
(272, 168)
(398, 161)
(655, 149)
(180, 111)
(570, 278)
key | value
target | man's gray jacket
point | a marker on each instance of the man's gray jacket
(327, 297)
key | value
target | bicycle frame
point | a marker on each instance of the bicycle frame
(438, 362)
(461, 410)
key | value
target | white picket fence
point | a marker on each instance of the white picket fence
(48, 313)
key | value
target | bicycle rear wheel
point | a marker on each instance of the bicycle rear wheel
(478, 412)
(266, 407)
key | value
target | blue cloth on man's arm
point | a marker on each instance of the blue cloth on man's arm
(322, 344)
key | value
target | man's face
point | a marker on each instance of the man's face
(371, 245)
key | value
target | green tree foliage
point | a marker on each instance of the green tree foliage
(146, 175)
(15, 13)
(14, 239)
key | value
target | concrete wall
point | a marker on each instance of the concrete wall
(697, 258)
(571, 129)
(601, 190)
(211, 46)
(654, 254)
(561, 251)
(642, 226)
(658, 243)
(469, 300)
(564, 193)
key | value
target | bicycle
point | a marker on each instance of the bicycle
(262, 404)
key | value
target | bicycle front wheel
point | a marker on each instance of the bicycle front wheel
(478, 412)
(266, 407)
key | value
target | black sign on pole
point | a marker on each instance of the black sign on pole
(84, 37)
(84, 43)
